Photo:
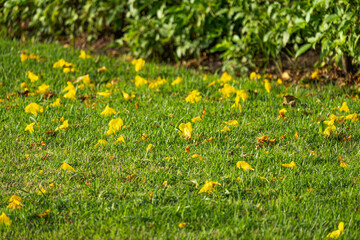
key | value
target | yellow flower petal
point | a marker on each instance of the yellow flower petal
(244, 166)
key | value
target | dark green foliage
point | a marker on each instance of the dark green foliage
(240, 31)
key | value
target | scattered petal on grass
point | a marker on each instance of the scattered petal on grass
(44, 213)
(65, 166)
(197, 156)
(5, 219)
(56, 103)
(225, 77)
(102, 69)
(193, 97)
(70, 95)
(225, 129)
(231, 123)
(101, 142)
(32, 76)
(83, 55)
(41, 191)
(182, 225)
(120, 139)
(296, 135)
(185, 130)
(267, 85)
(178, 80)
(344, 108)
(108, 111)
(139, 81)
(343, 164)
(244, 166)
(289, 165)
(209, 187)
(138, 63)
(30, 128)
(107, 93)
(149, 147)
(42, 89)
(64, 126)
(115, 125)
(34, 108)
(338, 232)
(14, 202)
(327, 132)
(196, 119)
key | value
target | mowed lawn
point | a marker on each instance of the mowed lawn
(123, 187)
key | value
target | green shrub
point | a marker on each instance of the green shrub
(240, 31)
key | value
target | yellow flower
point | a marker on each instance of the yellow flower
(253, 76)
(102, 69)
(101, 142)
(138, 63)
(24, 85)
(315, 75)
(211, 84)
(352, 117)
(267, 85)
(83, 55)
(241, 94)
(66, 166)
(185, 130)
(225, 129)
(165, 183)
(128, 96)
(41, 191)
(120, 139)
(279, 82)
(139, 81)
(70, 95)
(209, 187)
(62, 63)
(14, 202)
(68, 70)
(296, 135)
(225, 77)
(34, 108)
(115, 125)
(196, 119)
(337, 233)
(56, 103)
(4, 219)
(344, 108)
(30, 128)
(244, 166)
(157, 83)
(33, 77)
(108, 111)
(289, 165)
(85, 79)
(64, 126)
(69, 87)
(23, 57)
(193, 96)
(41, 172)
(232, 123)
(44, 213)
(182, 225)
(149, 147)
(329, 130)
(43, 89)
(178, 80)
(237, 105)
(197, 156)
(342, 163)
(282, 113)
(227, 91)
(107, 93)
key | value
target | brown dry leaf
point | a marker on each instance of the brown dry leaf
(289, 100)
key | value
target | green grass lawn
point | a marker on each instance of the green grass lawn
(118, 190)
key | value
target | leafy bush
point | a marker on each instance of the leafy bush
(240, 31)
